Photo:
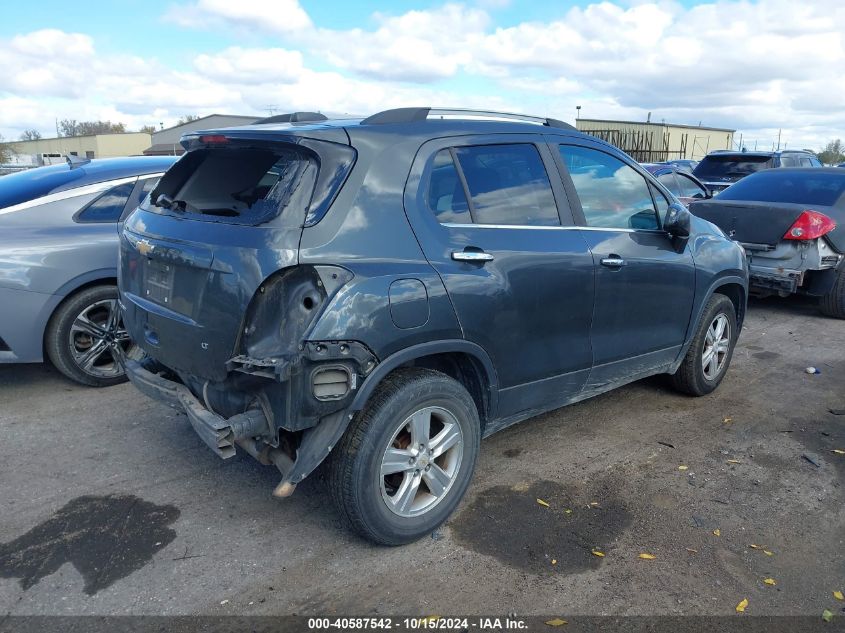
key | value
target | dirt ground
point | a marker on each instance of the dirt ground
(109, 504)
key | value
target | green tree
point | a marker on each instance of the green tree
(30, 135)
(72, 127)
(149, 129)
(832, 154)
(6, 150)
(187, 119)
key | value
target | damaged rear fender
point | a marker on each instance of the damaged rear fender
(317, 442)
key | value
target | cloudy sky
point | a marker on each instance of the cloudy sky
(754, 66)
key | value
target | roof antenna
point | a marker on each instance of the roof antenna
(76, 161)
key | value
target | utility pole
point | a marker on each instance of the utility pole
(779, 131)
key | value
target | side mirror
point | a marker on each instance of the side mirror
(677, 222)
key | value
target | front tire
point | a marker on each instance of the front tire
(709, 355)
(85, 338)
(833, 303)
(406, 460)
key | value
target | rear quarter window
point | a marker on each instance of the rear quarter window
(108, 206)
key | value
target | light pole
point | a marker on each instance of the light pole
(577, 112)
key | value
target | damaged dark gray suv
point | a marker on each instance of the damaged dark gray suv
(385, 292)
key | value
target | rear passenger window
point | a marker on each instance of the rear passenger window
(109, 206)
(508, 184)
(446, 197)
(612, 194)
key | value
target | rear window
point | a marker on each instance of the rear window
(237, 185)
(722, 165)
(803, 187)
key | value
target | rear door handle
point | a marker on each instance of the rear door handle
(471, 256)
(614, 261)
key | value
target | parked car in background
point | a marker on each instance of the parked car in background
(682, 184)
(720, 169)
(387, 291)
(792, 224)
(58, 263)
(684, 164)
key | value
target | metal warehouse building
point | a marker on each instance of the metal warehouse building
(654, 142)
(166, 142)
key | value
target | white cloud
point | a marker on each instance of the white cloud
(758, 66)
(251, 65)
(417, 46)
(278, 16)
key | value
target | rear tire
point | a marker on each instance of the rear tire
(406, 460)
(833, 303)
(82, 336)
(709, 355)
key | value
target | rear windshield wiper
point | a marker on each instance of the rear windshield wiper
(169, 203)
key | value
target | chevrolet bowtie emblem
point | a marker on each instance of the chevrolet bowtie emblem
(144, 247)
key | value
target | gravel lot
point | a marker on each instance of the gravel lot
(111, 505)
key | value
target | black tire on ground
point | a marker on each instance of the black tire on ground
(57, 337)
(833, 303)
(354, 472)
(690, 378)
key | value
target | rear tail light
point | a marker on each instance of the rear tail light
(809, 226)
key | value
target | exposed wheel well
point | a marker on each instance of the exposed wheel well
(467, 370)
(736, 293)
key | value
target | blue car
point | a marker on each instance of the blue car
(58, 263)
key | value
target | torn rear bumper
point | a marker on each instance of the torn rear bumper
(779, 280)
(219, 434)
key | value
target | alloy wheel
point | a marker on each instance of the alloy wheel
(98, 340)
(421, 461)
(717, 345)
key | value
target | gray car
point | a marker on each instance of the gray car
(58, 263)
(384, 292)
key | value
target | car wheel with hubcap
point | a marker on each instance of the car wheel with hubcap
(710, 351)
(86, 339)
(406, 460)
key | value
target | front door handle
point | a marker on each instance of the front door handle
(471, 256)
(614, 261)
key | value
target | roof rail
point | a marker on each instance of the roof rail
(293, 117)
(411, 115)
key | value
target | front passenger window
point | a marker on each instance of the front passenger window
(612, 194)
